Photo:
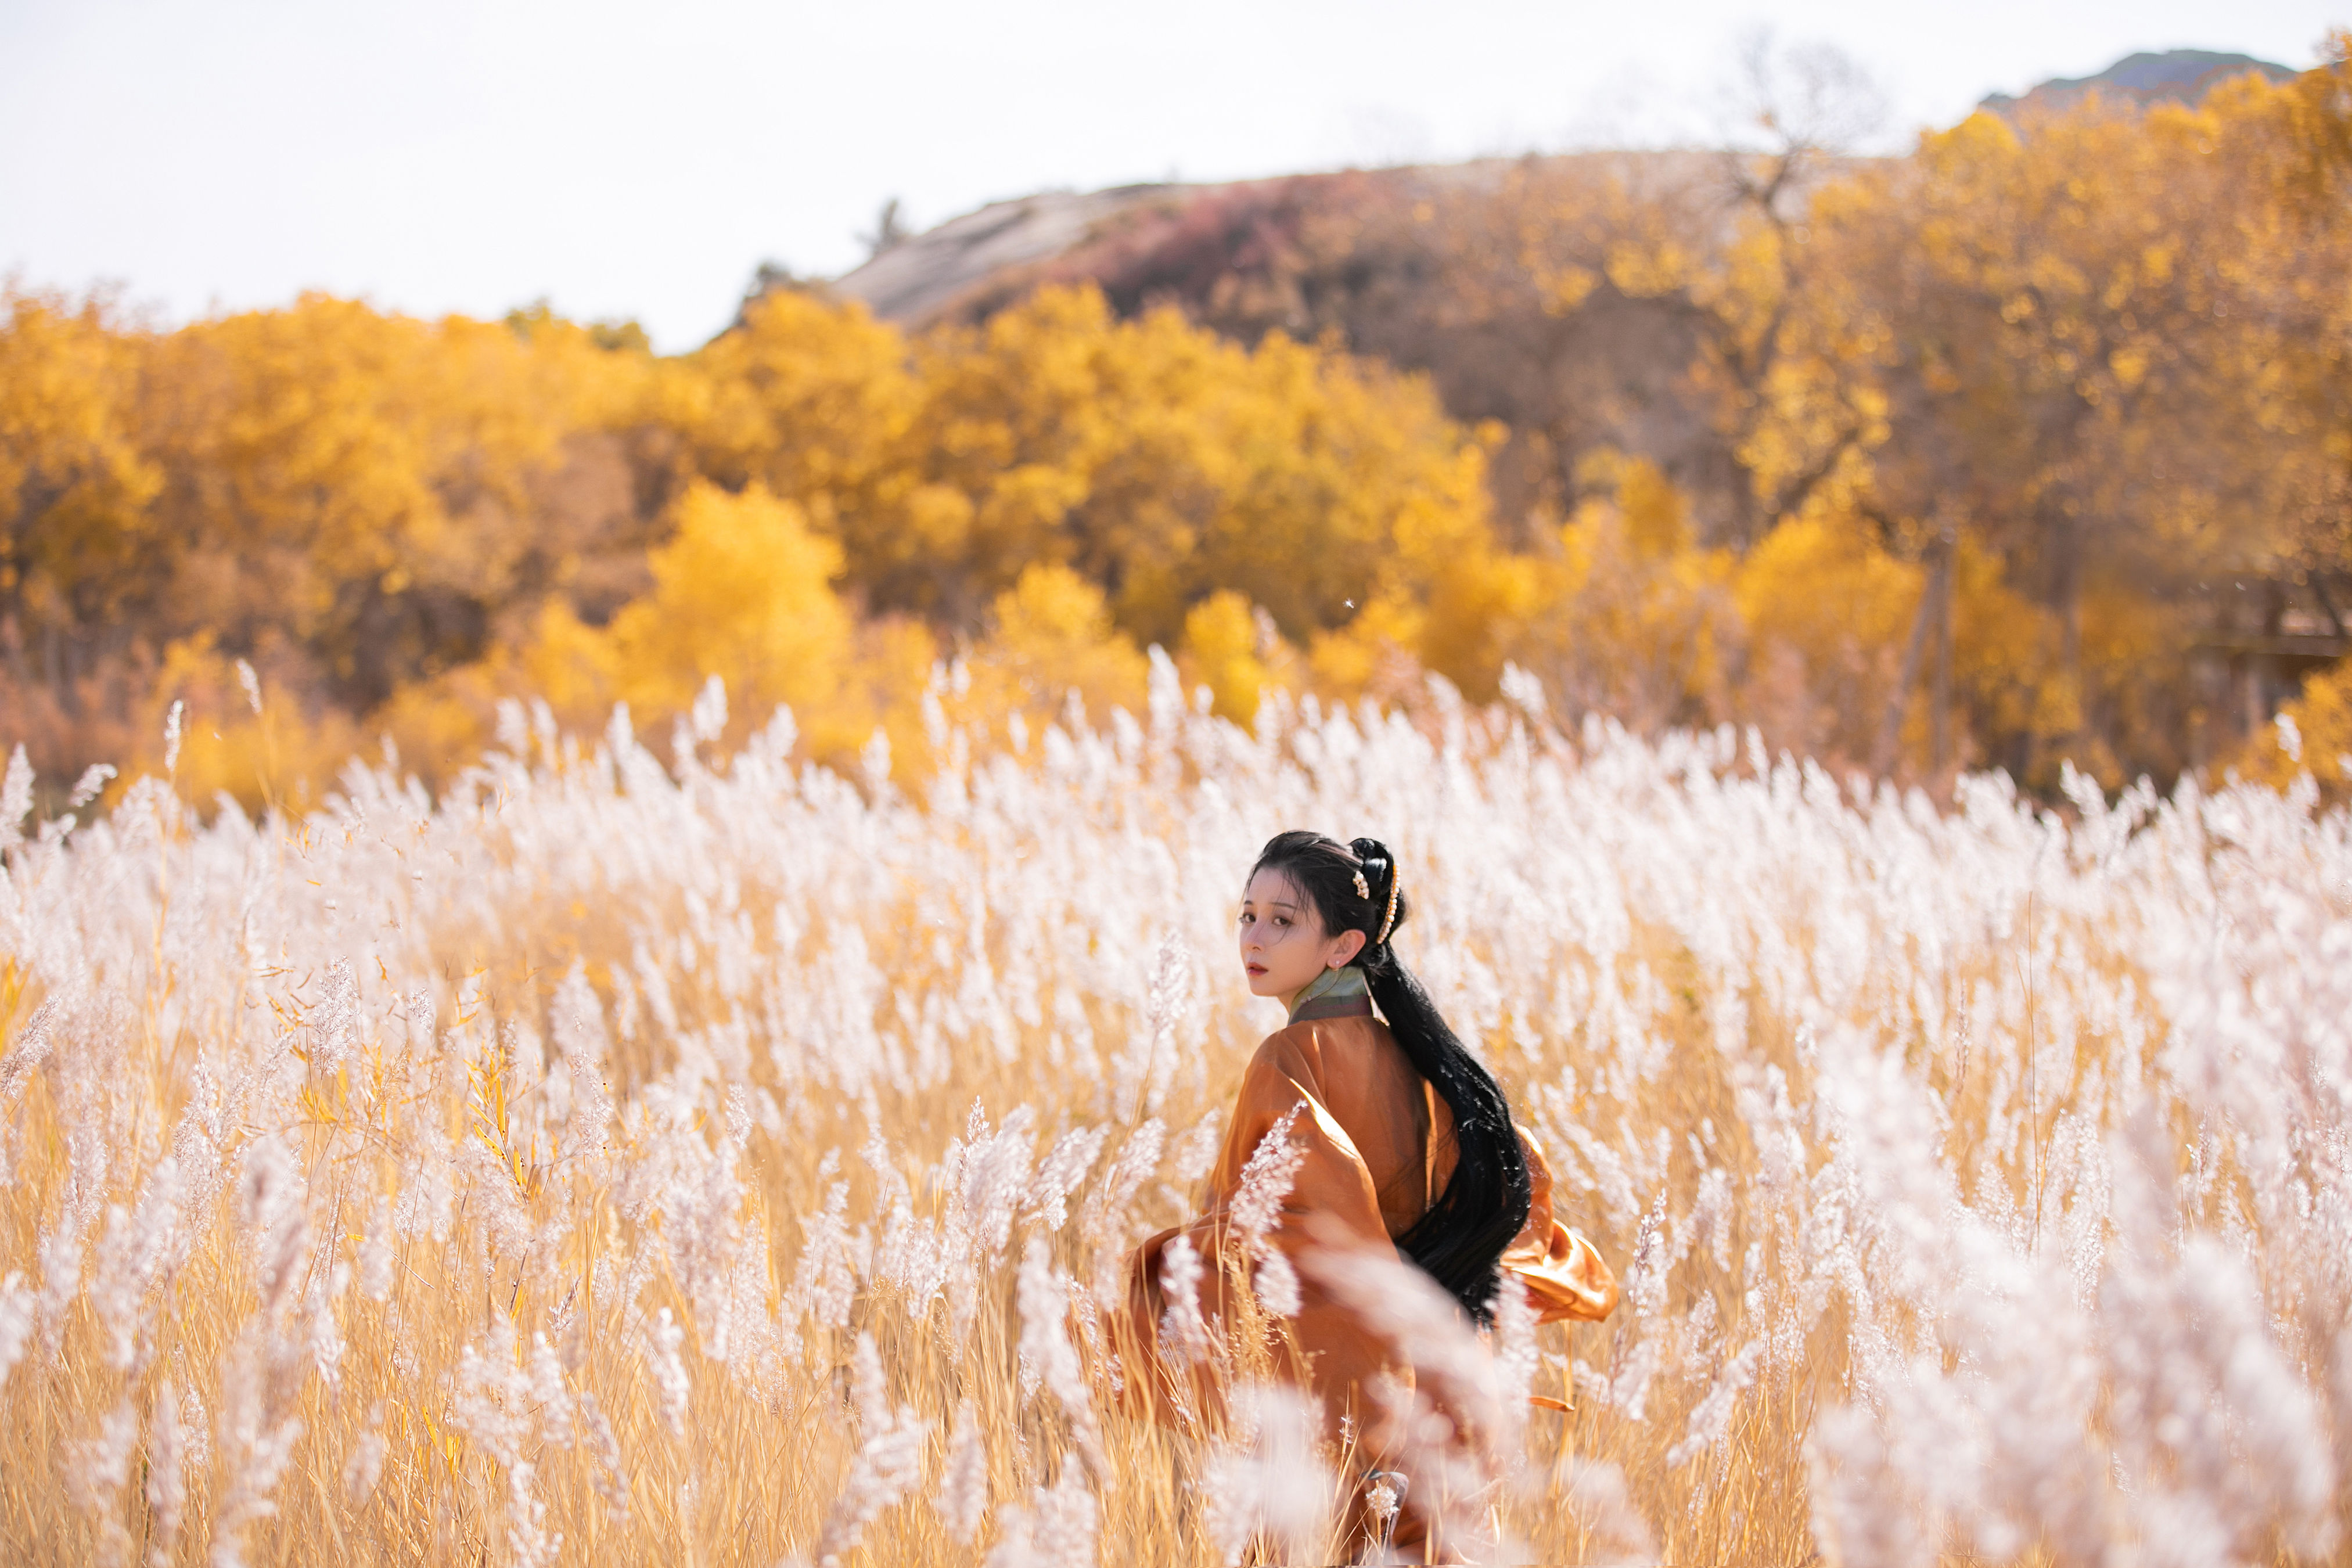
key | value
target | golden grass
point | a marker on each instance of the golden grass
(1693, 973)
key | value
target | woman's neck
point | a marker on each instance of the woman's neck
(1339, 993)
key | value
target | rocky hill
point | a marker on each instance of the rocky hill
(1454, 272)
(1232, 252)
(1238, 253)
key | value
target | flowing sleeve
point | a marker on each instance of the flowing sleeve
(1332, 1192)
(1561, 1270)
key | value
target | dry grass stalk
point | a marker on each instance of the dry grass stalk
(705, 1163)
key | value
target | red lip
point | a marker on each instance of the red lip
(1255, 968)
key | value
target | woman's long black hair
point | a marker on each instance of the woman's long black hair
(1459, 1240)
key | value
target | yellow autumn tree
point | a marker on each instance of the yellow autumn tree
(81, 557)
(1636, 618)
(1050, 639)
(363, 484)
(1233, 651)
(2313, 733)
(2086, 333)
(1166, 465)
(807, 396)
(742, 590)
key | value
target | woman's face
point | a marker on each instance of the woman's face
(1282, 941)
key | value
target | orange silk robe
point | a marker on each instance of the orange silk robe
(1379, 1149)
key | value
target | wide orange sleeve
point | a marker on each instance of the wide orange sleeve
(1332, 1191)
(1562, 1271)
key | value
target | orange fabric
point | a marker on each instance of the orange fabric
(1379, 1149)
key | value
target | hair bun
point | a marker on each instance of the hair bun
(1384, 892)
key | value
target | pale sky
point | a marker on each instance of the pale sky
(640, 160)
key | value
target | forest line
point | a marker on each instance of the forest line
(2033, 445)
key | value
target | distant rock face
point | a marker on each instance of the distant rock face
(1202, 246)
(921, 279)
(1230, 253)
(2178, 76)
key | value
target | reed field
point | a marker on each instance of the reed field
(641, 1152)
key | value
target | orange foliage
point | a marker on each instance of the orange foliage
(1988, 419)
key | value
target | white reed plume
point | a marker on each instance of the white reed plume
(90, 786)
(1141, 1071)
(1068, 1523)
(1273, 1480)
(1182, 1329)
(493, 1399)
(378, 1253)
(581, 1038)
(335, 1022)
(61, 1253)
(1442, 1416)
(550, 1396)
(672, 1387)
(888, 1462)
(529, 1541)
(1710, 1418)
(1516, 1361)
(611, 1478)
(96, 1465)
(1254, 1213)
(1626, 1390)
(2225, 1443)
(1616, 1535)
(993, 1174)
(709, 712)
(31, 1049)
(172, 721)
(495, 1407)
(825, 1281)
(1013, 1547)
(1646, 1275)
(135, 1252)
(1421, 1323)
(1265, 1181)
(1059, 1529)
(963, 1480)
(364, 1468)
(260, 1378)
(19, 1313)
(273, 1197)
(1276, 1285)
(196, 1431)
(1103, 1213)
(166, 1487)
(15, 799)
(1063, 1171)
(1043, 1296)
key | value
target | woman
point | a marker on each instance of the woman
(1403, 1142)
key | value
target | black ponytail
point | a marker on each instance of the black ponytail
(1458, 1242)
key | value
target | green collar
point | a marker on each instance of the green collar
(1339, 993)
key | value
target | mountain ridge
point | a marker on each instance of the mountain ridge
(2177, 75)
(1186, 243)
